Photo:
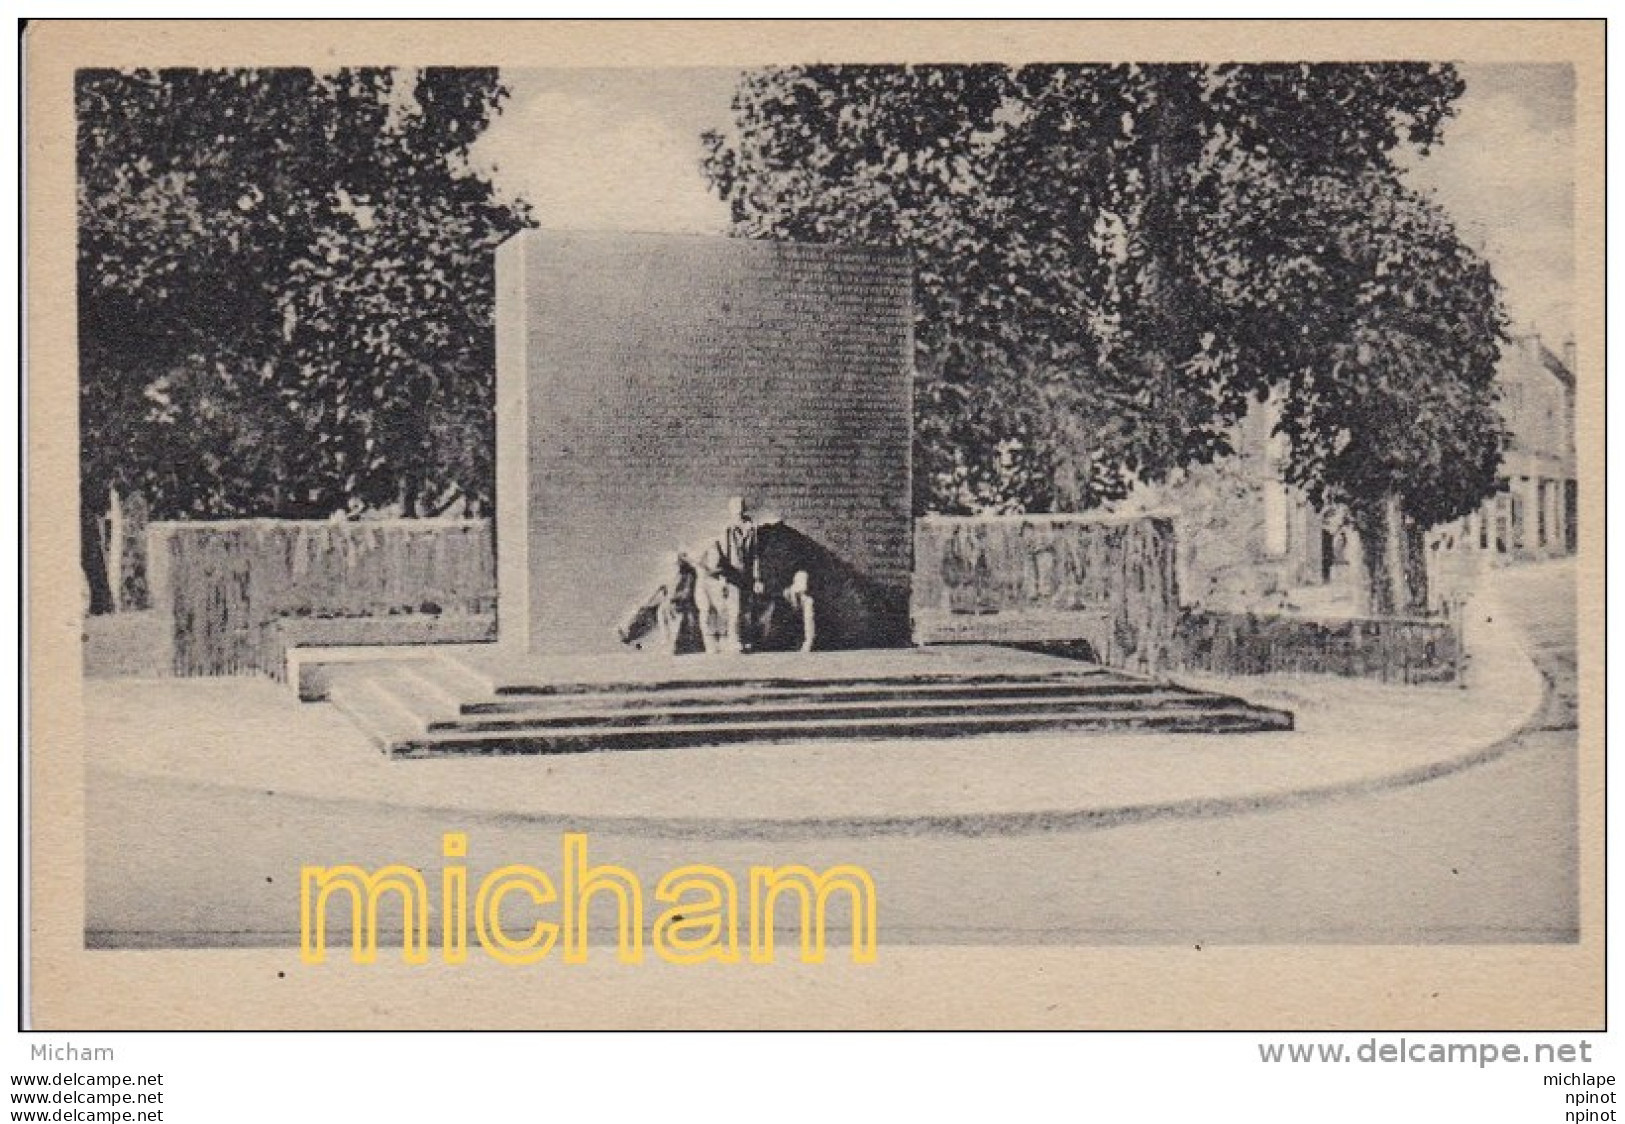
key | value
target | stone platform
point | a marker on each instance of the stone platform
(480, 700)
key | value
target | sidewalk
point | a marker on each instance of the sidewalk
(1353, 737)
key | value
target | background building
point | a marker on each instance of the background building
(1535, 516)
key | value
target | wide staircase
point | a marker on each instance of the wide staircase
(442, 705)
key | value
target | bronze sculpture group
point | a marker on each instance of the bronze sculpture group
(713, 599)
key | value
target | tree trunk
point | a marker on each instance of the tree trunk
(93, 558)
(1158, 303)
(1391, 547)
(1414, 555)
(411, 495)
(1164, 285)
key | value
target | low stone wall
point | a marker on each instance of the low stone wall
(221, 589)
(1392, 651)
(1105, 581)
(232, 597)
(409, 628)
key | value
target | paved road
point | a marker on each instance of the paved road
(1487, 854)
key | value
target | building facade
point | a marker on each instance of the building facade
(1534, 516)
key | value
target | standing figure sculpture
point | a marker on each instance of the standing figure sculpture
(677, 613)
(733, 579)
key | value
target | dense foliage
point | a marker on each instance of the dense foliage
(285, 289)
(1113, 261)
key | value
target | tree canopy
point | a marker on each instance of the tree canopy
(1390, 407)
(285, 287)
(1113, 261)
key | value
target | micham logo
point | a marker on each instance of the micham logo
(698, 920)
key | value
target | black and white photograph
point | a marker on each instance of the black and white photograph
(750, 523)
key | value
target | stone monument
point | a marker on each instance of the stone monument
(642, 380)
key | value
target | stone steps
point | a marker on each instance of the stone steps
(810, 710)
(439, 708)
(928, 681)
(722, 697)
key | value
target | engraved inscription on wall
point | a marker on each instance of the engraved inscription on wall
(668, 373)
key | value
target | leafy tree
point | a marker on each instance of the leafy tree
(285, 290)
(1389, 406)
(1107, 257)
(922, 159)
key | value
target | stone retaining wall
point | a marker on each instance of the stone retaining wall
(1105, 581)
(1392, 651)
(219, 588)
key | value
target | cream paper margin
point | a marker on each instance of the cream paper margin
(1266, 987)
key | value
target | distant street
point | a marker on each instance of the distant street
(1484, 855)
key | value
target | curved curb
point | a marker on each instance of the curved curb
(1507, 655)
(970, 825)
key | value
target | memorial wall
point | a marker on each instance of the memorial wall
(645, 379)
